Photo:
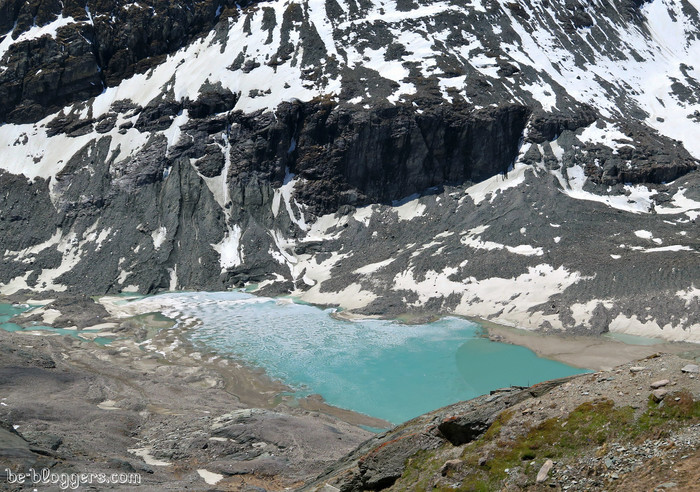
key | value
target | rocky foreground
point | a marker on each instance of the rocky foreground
(185, 421)
(636, 427)
(150, 403)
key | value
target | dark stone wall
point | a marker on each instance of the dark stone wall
(356, 157)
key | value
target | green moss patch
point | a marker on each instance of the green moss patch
(588, 428)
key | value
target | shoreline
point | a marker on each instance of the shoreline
(585, 352)
(153, 404)
(148, 329)
(250, 384)
(595, 353)
(153, 375)
(254, 388)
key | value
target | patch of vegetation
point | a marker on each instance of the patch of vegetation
(419, 470)
(662, 417)
(591, 425)
(489, 460)
(495, 429)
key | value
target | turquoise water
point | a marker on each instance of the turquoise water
(380, 368)
(633, 339)
(103, 340)
(8, 311)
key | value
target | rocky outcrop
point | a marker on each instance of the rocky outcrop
(380, 462)
(656, 160)
(76, 311)
(545, 127)
(587, 432)
(15, 449)
(99, 44)
(468, 424)
(350, 156)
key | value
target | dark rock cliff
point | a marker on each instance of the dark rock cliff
(110, 41)
(350, 156)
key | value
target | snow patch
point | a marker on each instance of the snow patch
(690, 295)
(680, 204)
(410, 210)
(504, 300)
(472, 240)
(145, 454)
(673, 247)
(373, 267)
(491, 186)
(210, 478)
(637, 198)
(158, 236)
(229, 249)
(632, 325)
(284, 194)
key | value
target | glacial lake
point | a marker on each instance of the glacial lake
(384, 369)
(9, 311)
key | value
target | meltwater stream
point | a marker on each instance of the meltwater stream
(383, 369)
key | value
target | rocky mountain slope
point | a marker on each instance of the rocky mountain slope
(531, 162)
(636, 427)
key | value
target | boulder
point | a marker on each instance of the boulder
(450, 465)
(544, 471)
(659, 394)
(385, 464)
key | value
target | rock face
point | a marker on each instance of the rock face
(359, 157)
(95, 45)
(426, 157)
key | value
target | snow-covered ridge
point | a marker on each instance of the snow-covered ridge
(286, 50)
(35, 32)
(224, 196)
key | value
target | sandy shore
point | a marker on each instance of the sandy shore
(596, 353)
